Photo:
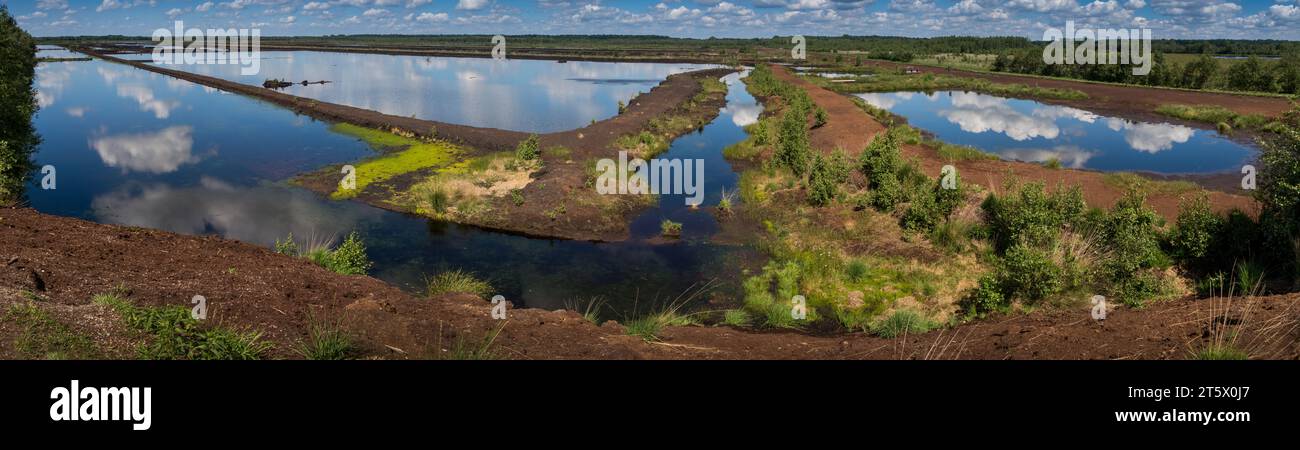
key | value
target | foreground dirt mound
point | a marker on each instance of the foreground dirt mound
(58, 264)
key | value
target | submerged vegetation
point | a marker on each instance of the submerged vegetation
(405, 155)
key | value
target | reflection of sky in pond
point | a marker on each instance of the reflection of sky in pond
(523, 95)
(54, 51)
(142, 149)
(704, 147)
(1031, 131)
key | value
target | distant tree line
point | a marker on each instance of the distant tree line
(18, 139)
(1201, 72)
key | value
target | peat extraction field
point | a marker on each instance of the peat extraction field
(1033, 193)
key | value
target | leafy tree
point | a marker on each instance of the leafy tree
(1199, 72)
(1278, 194)
(1250, 75)
(792, 149)
(825, 177)
(18, 139)
(1194, 233)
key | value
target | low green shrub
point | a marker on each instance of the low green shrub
(1195, 231)
(528, 149)
(349, 258)
(1028, 274)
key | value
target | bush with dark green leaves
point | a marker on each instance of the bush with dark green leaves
(922, 214)
(881, 157)
(1278, 194)
(1031, 215)
(528, 149)
(826, 176)
(986, 297)
(880, 163)
(1028, 274)
(932, 207)
(349, 258)
(948, 198)
(792, 149)
(1132, 236)
(1195, 231)
(18, 139)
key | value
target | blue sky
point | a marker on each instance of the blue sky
(1274, 19)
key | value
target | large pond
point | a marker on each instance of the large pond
(1026, 130)
(137, 148)
(54, 51)
(523, 95)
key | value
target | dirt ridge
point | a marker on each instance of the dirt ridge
(251, 287)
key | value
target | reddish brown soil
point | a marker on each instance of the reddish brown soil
(1120, 100)
(991, 174)
(249, 287)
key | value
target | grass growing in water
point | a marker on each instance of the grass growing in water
(648, 326)
(670, 229)
(457, 281)
(173, 334)
(590, 308)
(415, 154)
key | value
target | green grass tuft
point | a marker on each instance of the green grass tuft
(44, 337)
(173, 334)
(326, 342)
(902, 322)
(457, 281)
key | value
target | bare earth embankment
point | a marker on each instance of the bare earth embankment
(63, 262)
